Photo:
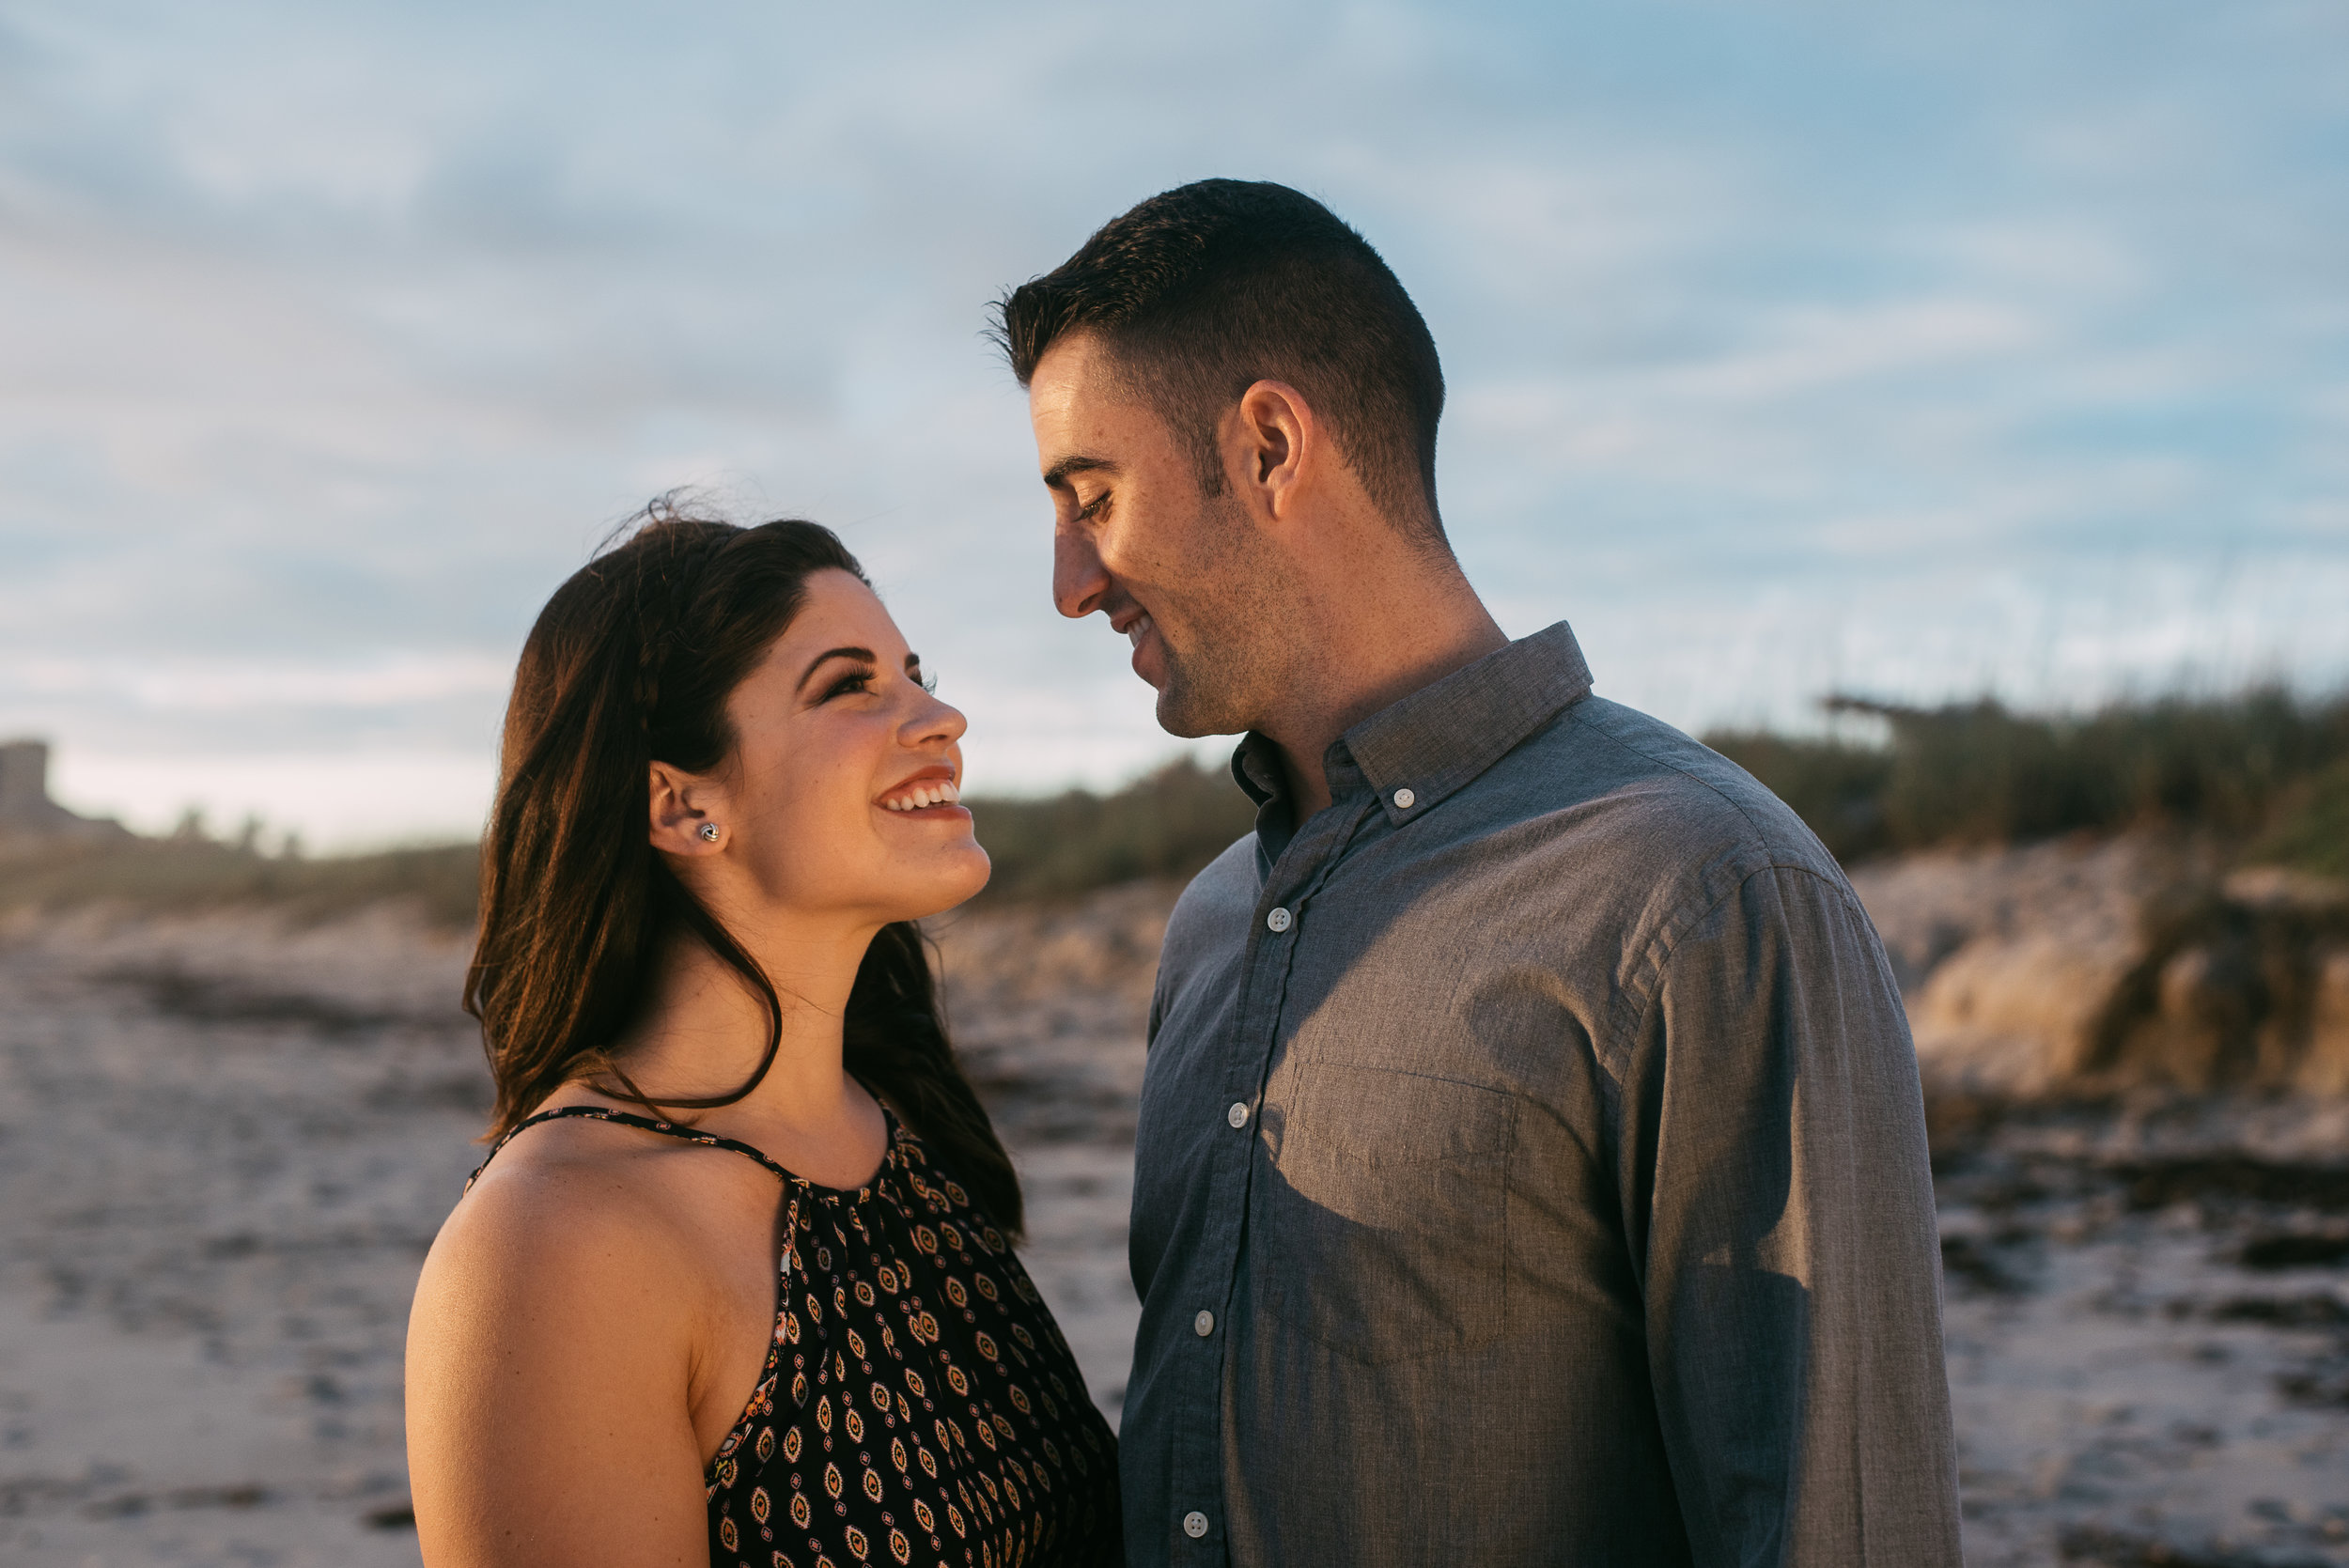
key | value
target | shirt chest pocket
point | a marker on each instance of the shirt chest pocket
(1382, 1224)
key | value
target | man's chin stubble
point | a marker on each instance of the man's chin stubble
(1189, 713)
(1180, 717)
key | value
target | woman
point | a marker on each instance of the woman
(736, 1283)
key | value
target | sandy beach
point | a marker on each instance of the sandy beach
(225, 1143)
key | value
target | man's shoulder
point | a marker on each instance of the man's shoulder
(1666, 805)
(1216, 903)
(1632, 813)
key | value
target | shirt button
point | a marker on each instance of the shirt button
(1204, 1323)
(1194, 1524)
(1277, 921)
(1404, 800)
(1237, 1115)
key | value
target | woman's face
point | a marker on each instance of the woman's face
(846, 774)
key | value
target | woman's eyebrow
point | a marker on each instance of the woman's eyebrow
(829, 654)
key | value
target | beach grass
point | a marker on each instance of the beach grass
(1168, 823)
(2249, 769)
(188, 873)
(2263, 771)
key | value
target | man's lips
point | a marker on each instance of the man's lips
(1149, 657)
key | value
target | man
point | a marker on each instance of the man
(1532, 1166)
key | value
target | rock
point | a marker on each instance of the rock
(2325, 1065)
(2009, 957)
(2090, 967)
(2276, 887)
(2016, 1015)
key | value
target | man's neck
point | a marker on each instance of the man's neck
(1366, 660)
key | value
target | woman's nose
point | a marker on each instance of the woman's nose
(934, 723)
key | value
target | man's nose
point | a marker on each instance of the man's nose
(1079, 581)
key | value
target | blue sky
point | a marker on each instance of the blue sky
(1909, 349)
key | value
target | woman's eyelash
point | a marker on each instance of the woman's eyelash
(862, 679)
(856, 682)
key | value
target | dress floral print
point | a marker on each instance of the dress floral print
(918, 1405)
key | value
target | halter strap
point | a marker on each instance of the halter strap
(690, 1135)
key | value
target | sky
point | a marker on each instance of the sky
(1910, 351)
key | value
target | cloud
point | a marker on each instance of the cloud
(346, 799)
(1784, 346)
(215, 687)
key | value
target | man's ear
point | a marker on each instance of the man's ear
(1272, 445)
(680, 813)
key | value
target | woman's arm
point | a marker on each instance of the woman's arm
(550, 1357)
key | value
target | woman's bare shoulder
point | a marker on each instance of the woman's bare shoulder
(572, 1205)
(552, 1353)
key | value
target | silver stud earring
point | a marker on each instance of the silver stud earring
(710, 832)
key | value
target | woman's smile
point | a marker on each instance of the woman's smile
(931, 793)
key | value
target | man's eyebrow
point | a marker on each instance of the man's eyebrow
(1056, 476)
(819, 661)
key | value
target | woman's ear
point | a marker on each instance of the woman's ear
(681, 820)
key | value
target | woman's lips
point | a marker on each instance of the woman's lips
(923, 795)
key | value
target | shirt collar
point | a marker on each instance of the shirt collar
(1256, 769)
(1443, 735)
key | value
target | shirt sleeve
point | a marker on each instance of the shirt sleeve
(1779, 1204)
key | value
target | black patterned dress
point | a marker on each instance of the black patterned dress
(918, 1405)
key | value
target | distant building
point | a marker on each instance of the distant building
(26, 808)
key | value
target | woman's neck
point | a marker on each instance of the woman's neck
(706, 1027)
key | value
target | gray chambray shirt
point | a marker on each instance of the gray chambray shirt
(1531, 1168)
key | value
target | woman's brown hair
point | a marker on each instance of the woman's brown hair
(630, 663)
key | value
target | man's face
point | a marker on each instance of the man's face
(1184, 576)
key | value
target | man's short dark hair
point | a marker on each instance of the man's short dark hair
(1203, 290)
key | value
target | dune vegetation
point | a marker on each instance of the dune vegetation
(2263, 773)
(2261, 770)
